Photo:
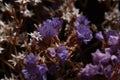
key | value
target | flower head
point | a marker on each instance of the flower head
(48, 31)
(84, 33)
(81, 21)
(56, 22)
(37, 72)
(32, 71)
(49, 27)
(89, 71)
(113, 40)
(99, 57)
(62, 53)
(42, 69)
(82, 29)
(30, 59)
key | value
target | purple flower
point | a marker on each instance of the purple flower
(56, 22)
(37, 72)
(82, 29)
(30, 60)
(49, 27)
(89, 71)
(85, 34)
(48, 31)
(42, 69)
(113, 40)
(32, 71)
(99, 57)
(81, 21)
(99, 36)
(62, 53)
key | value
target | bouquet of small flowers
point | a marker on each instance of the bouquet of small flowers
(59, 40)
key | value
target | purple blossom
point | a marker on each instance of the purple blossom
(85, 34)
(103, 65)
(99, 57)
(99, 36)
(49, 27)
(32, 71)
(56, 22)
(30, 59)
(90, 70)
(42, 69)
(113, 40)
(81, 21)
(48, 31)
(82, 29)
(62, 53)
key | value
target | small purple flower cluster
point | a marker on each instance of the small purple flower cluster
(60, 52)
(66, 46)
(32, 71)
(82, 29)
(104, 63)
(49, 27)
